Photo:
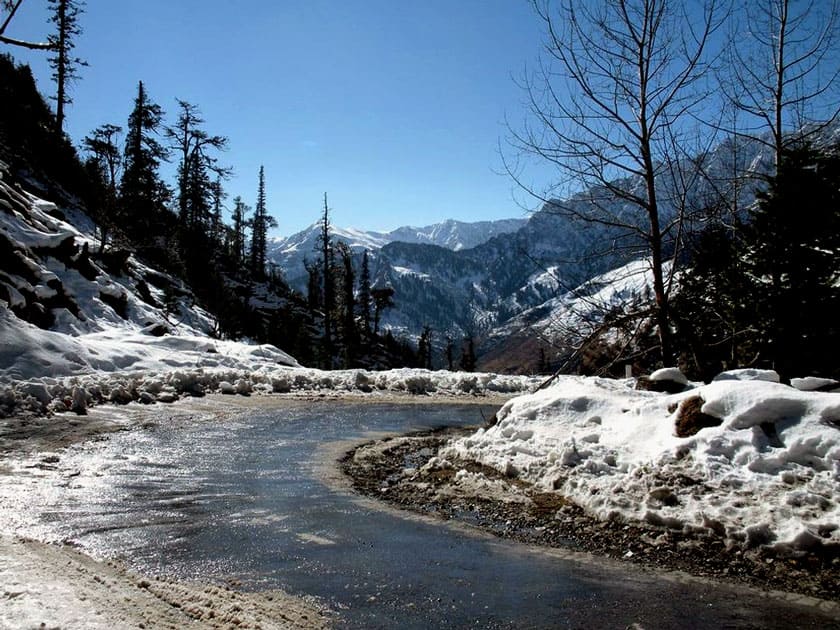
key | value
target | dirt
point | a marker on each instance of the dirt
(391, 470)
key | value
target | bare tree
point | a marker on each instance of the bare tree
(8, 9)
(784, 63)
(615, 100)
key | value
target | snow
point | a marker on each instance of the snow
(749, 374)
(46, 371)
(769, 474)
(669, 374)
(811, 383)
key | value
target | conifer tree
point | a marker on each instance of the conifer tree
(349, 332)
(240, 223)
(383, 297)
(449, 353)
(795, 229)
(260, 225)
(365, 300)
(313, 286)
(142, 193)
(328, 295)
(65, 16)
(468, 355)
(106, 158)
(194, 148)
(424, 348)
(217, 194)
(764, 293)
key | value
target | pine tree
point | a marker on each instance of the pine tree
(795, 230)
(106, 159)
(365, 299)
(65, 16)
(468, 361)
(194, 147)
(142, 194)
(449, 353)
(240, 223)
(328, 296)
(349, 332)
(262, 221)
(217, 195)
(714, 310)
(424, 348)
(764, 293)
(383, 297)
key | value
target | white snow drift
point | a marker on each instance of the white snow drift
(768, 475)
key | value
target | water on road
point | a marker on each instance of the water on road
(242, 500)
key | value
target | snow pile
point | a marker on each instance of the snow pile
(233, 369)
(768, 474)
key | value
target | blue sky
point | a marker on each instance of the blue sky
(395, 108)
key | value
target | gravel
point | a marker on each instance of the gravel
(395, 470)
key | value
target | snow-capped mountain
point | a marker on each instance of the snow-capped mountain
(289, 253)
(498, 279)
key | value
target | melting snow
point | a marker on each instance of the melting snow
(769, 474)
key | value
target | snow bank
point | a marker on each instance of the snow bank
(769, 474)
(119, 368)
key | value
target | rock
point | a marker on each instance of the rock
(691, 419)
(664, 496)
(146, 398)
(37, 390)
(156, 330)
(79, 402)
(226, 387)
(120, 396)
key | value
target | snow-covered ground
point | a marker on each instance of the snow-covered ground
(43, 371)
(768, 474)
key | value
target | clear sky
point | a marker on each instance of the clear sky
(396, 108)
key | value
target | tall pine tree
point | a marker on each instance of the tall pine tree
(328, 295)
(262, 221)
(143, 195)
(65, 16)
(241, 222)
(365, 300)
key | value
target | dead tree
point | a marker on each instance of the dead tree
(614, 99)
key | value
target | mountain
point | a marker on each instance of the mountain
(289, 253)
(505, 280)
